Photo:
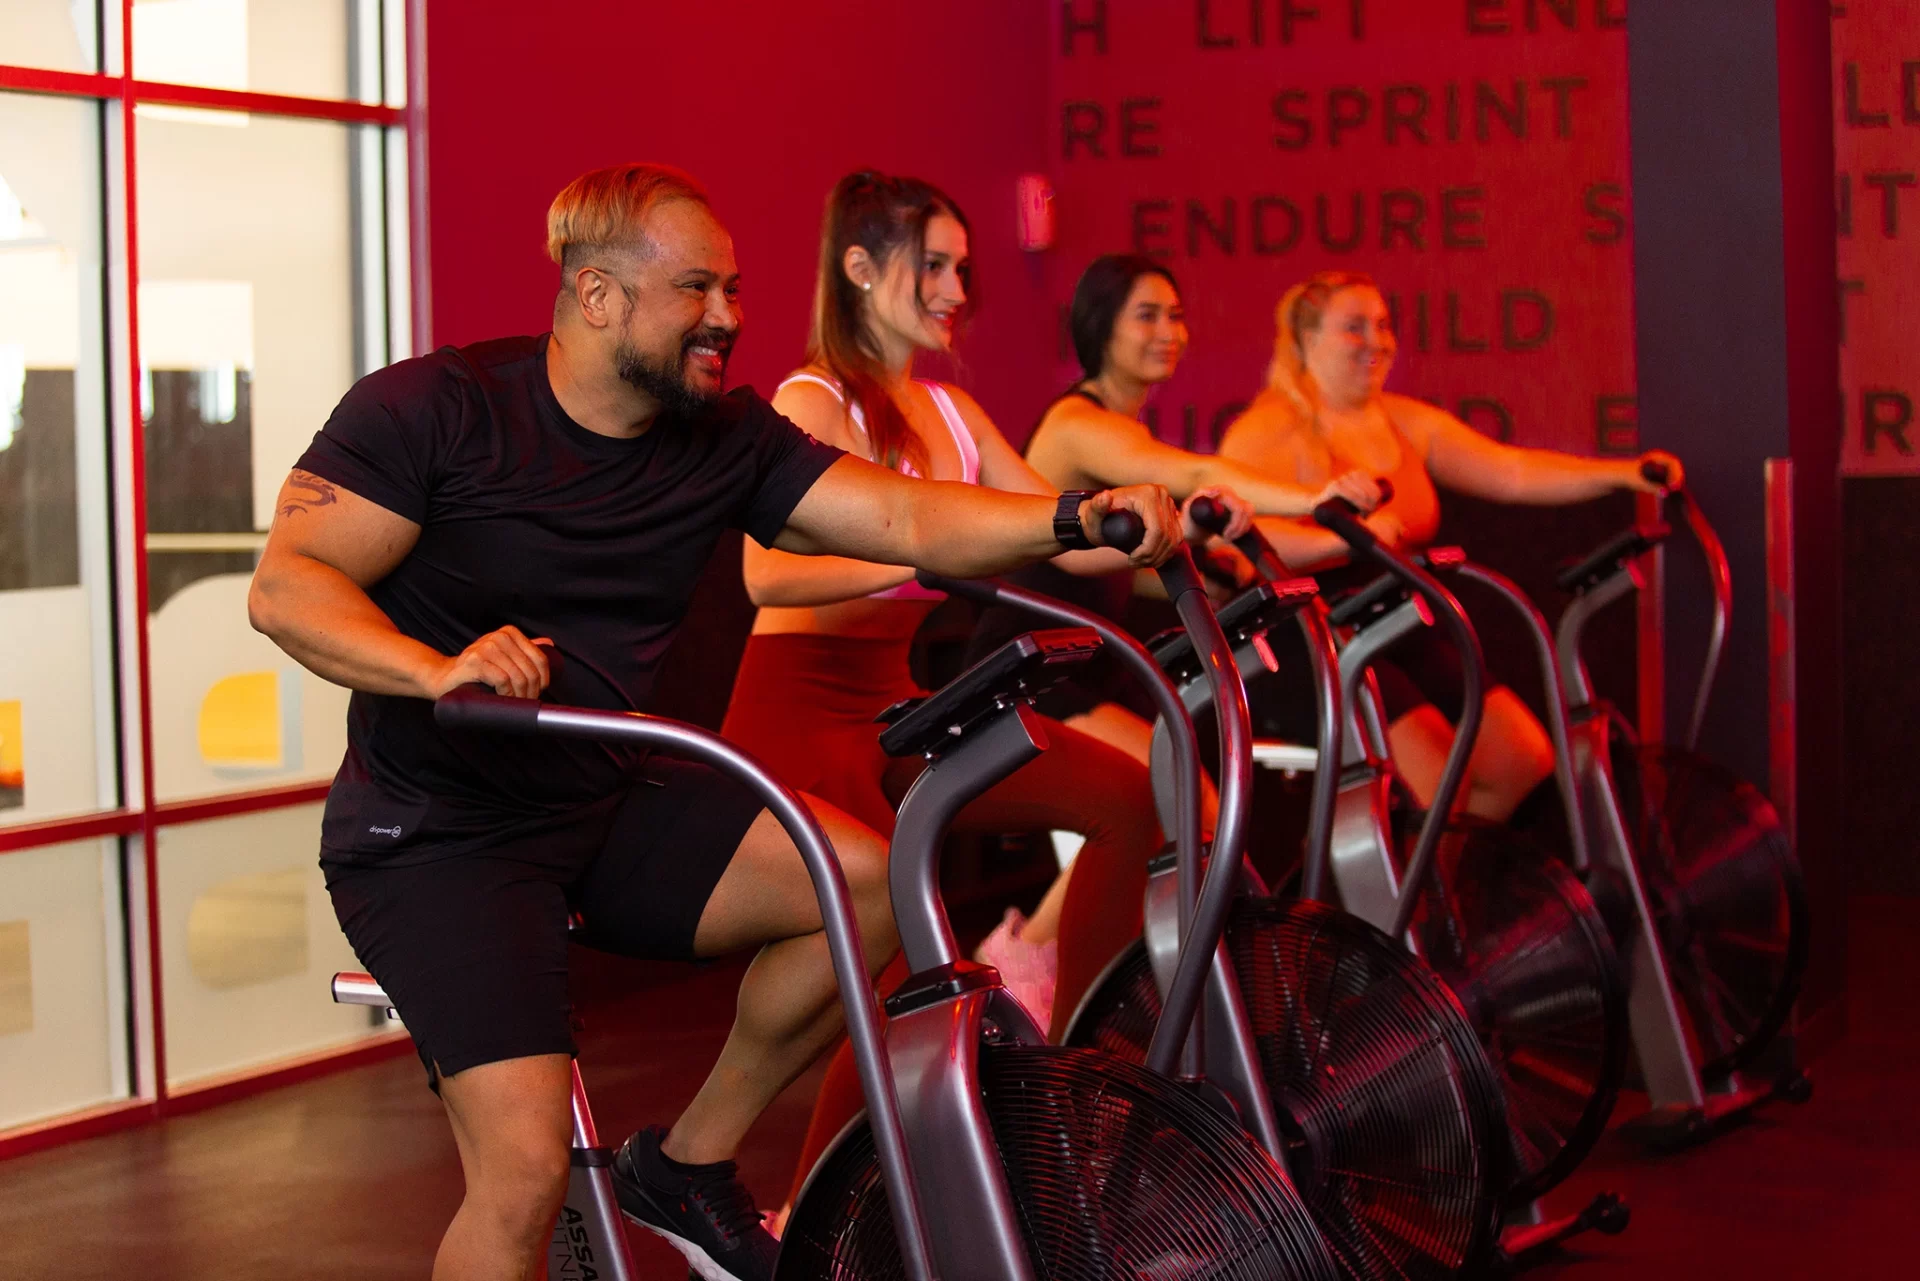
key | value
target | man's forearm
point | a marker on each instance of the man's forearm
(972, 532)
(809, 581)
(327, 624)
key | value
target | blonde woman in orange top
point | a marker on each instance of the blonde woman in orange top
(1325, 411)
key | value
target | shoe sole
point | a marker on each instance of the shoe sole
(699, 1260)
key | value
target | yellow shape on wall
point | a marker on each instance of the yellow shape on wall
(13, 756)
(240, 723)
(16, 977)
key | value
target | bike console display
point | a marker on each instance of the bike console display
(1023, 667)
(1259, 609)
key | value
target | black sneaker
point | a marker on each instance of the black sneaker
(704, 1210)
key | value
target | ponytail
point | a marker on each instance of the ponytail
(886, 216)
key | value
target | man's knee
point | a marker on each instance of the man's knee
(863, 858)
(861, 850)
(521, 1178)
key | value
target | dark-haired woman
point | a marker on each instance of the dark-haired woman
(830, 642)
(1325, 409)
(1129, 332)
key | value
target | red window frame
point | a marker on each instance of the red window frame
(123, 92)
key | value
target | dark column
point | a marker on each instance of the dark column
(1736, 334)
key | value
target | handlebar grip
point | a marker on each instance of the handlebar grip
(1656, 474)
(1123, 530)
(984, 591)
(1210, 515)
(475, 707)
(1343, 518)
(1179, 575)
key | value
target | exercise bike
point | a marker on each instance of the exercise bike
(1343, 1055)
(1042, 1161)
(589, 1238)
(1516, 937)
(1690, 864)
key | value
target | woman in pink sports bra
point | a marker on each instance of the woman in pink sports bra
(830, 642)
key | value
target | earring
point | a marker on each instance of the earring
(867, 285)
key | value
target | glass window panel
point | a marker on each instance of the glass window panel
(57, 753)
(248, 943)
(62, 35)
(302, 47)
(253, 323)
(63, 1003)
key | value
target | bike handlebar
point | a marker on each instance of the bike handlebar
(475, 707)
(1204, 899)
(1209, 514)
(1214, 517)
(1343, 519)
(1123, 530)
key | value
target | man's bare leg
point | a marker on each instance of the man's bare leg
(788, 1011)
(513, 1126)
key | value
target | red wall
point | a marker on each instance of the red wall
(767, 104)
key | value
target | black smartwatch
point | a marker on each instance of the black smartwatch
(1066, 521)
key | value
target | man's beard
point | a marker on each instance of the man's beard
(667, 382)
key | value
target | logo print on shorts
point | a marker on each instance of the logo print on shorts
(393, 831)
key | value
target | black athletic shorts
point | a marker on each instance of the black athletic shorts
(473, 947)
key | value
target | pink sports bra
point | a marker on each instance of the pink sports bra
(962, 439)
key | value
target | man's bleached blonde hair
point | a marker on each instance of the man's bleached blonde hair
(607, 209)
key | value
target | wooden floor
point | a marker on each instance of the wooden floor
(354, 1175)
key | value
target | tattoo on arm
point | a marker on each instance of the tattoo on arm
(309, 491)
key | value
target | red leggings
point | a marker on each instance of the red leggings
(805, 703)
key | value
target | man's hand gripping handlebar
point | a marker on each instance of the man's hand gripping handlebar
(1140, 520)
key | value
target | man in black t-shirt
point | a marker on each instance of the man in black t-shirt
(532, 514)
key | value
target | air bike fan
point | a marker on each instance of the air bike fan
(1514, 935)
(1341, 1053)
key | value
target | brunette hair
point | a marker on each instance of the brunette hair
(886, 216)
(1098, 299)
(608, 208)
(1298, 315)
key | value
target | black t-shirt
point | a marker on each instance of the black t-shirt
(528, 518)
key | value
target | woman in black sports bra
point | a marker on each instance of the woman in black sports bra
(1129, 333)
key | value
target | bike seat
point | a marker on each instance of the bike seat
(1596, 567)
(1018, 670)
(1378, 597)
(1259, 609)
